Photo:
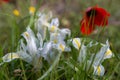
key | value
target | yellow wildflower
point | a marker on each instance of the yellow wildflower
(32, 10)
(16, 12)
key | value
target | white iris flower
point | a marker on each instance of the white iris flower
(58, 42)
(108, 54)
(42, 23)
(99, 70)
(82, 54)
(76, 43)
(31, 41)
(103, 54)
(9, 57)
(27, 52)
(65, 32)
(54, 25)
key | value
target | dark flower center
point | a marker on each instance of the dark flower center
(91, 13)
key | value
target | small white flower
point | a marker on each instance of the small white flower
(56, 37)
(76, 43)
(55, 22)
(92, 43)
(99, 57)
(42, 23)
(30, 52)
(43, 19)
(31, 41)
(108, 54)
(40, 39)
(54, 25)
(104, 53)
(49, 52)
(99, 70)
(45, 51)
(25, 56)
(9, 57)
(65, 32)
(52, 28)
(82, 54)
(58, 42)
(61, 46)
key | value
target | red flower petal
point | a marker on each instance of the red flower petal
(97, 15)
(86, 28)
(94, 16)
(6, 0)
(101, 17)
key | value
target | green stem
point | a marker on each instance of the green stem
(21, 63)
(31, 20)
(110, 77)
(51, 68)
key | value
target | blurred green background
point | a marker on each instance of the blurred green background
(69, 12)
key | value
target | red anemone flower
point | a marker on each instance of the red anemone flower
(94, 16)
(5, 0)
